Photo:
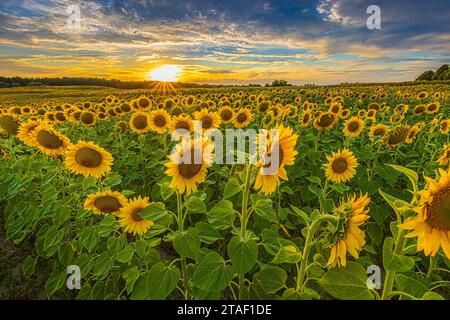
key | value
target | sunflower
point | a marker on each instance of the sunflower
(444, 158)
(159, 120)
(353, 127)
(445, 126)
(341, 166)
(139, 122)
(88, 118)
(432, 224)
(242, 118)
(188, 165)
(397, 136)
(183, 122)
(348, 237)
(283, 142)
(226, 114)
(412, 134)
(104, 203)
(3, 155)
(48, 140)
(419, 109)
(335, 108)
(325, 121)
(210, 120)
(9, 123)
(422, 95)
(379, 130)
(25, 131)
(131, 221)
(432, 108)
(88, 159)
(142, 103)
(345, 113)
(306, 118)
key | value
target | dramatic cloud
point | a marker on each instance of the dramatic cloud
(225, 41)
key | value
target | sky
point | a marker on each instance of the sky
(225, 41)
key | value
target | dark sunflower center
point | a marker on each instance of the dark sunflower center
(89, 158)
(339, 165)
(160, 121)
(241, 118)
(226, 115)
(306, 118)
(8, 124)
(140, 122)
(177, 111)
(189, 170)
(398, 137)
(378, 132)
(135, 214)
(182, 125)
(49, 140)
(439, 210)
(31, 128)
(353, 126)
(60, 116)
(207, 122)
(87, 118)
(144, 103)
(325, 120)
(107, 204)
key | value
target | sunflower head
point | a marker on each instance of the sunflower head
(9, 123)
(397, 136)
(347, 235)
(226, 114)
(131, 221)
(139, 122)
(210, 120)
(379, 130)
(444, 158)
(325, 121)
(341, 166)
(25, 131)
(432, 224)
(48, 140)
(159, 120)
(88, 159)
(104, 203)
(189, 163)
(353, 127)
(88, 118)
(242, 118)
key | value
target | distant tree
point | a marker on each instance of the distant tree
(440, 72)
(426, 76)
(280, 83)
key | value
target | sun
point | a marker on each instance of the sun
(165, 73)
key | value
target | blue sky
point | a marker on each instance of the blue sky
(235, 41)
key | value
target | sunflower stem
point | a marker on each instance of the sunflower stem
(309, 238)
(433, 263)
(183, 259)
(390, 275)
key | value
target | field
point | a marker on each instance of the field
(94, 204)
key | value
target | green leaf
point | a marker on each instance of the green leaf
(130, 276)
(314, 179)
(287, 254)
(243, 254)
(112, 179)
(89, 238)
(154, 211)
(162, 281)
(263, 208)
(114, 245)
(126, 254)
(222, 215)
(166, 191)
(398, 205)
(65, 254)
(29, 266)
(301, 214)
(207, 233)
(232, 188)
(430, 295)
(187, 243)
(393, 261)
(55, 281)
(195, 205)
(415, 287)
(212, 273)
(412, 175)
(347, 283)
(103, 264)
(271, 279)
(141, 248)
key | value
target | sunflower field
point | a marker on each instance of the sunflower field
(358, 208)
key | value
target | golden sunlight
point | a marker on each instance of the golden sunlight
(165, 73)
